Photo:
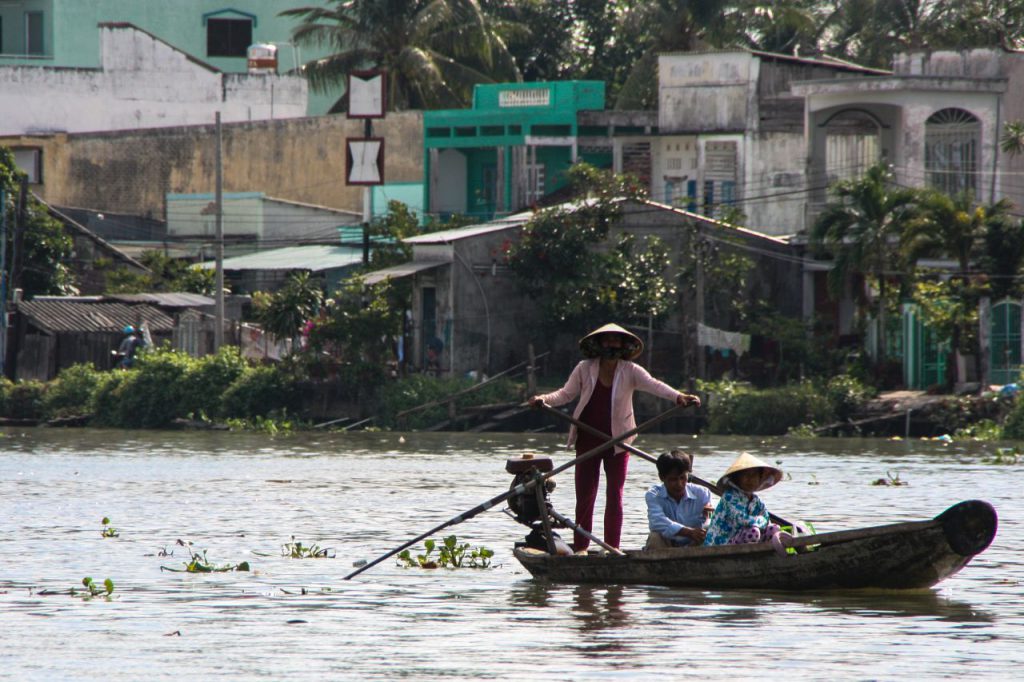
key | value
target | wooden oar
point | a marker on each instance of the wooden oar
(518, 490)
(637, 451)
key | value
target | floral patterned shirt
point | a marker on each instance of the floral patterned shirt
(735, 511)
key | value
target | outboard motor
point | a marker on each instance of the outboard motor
(529, 507)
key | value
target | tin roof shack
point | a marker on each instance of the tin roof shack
(53, 333)
(269, 270)
(88, 249)
(732, 133)
(467, 302)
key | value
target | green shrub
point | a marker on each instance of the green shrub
(420, 389)
(206, 379)
(261, 391)
(25, 400)
(739, 409)
(846, 395)
(1013, 427)
(108, 400)
(71, 393)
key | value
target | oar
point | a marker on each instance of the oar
(637, 451)
(518, 490)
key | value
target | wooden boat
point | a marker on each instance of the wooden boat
(911, 555)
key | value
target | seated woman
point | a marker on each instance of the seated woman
(741, 516)
(675, 509)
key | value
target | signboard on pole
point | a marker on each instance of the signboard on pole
(366, 94)
(364, 160)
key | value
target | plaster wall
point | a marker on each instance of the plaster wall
(141, 83)
(299, 159)
(706, 92)
(773, 182)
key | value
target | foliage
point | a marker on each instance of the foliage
(352, 325)
(262, 391)
(735, 408)
(108, 530)
(164, 274)
(296, 550)
(40, 249)
(207, 378)
(846, 395)
(982, 430)
(283, 312)
(1013, 427)
(198, 563)
(419, 389)
(579, 276)
(72, 392)
(24, 399)
(859, 227)
(451, 554)
(1012, 141)
(1002, 256)
(93, 590)
(434, 51)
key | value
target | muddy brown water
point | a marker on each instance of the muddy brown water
(240, 497)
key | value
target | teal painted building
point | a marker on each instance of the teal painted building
(65, 33)
(513, 146)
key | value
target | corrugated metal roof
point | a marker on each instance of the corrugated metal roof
(403, 270)
(179, 299)
(61, 316)
(313, 257)
(446, 236)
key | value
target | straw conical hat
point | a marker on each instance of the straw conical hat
(748, 461)
(589, 343)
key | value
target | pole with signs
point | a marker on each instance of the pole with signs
(364, 156)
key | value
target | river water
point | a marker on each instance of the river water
(240, 497)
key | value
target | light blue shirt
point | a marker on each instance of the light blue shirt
(666, 517)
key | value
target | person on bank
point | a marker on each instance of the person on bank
(129, 346)
(675, 509)
(741, 516)
(604, 382)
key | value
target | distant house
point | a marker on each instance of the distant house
(268, 270)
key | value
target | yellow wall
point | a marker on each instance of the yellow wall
(296, 159)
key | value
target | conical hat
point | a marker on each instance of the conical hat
(748, 461)
(589, 345)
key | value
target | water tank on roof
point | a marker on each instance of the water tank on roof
(262, 58)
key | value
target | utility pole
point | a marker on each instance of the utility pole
(3, 283)
(218, 331)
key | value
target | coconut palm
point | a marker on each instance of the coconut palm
(954, 227)
(434, 51)
(861, 227)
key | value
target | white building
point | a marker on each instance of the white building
(142, 82)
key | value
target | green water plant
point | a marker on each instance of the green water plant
(198, 563)
(94, 590)
(451, 554)
(108, 530)
(1005, 456)
(297, 550)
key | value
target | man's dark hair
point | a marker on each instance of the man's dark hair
(673, 462)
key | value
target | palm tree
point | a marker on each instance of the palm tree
(860, 227)
(955, 227)
(434, 51)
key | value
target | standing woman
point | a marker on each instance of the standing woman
(604, 383)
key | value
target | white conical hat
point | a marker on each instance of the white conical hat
(748, 461)
(612, 328)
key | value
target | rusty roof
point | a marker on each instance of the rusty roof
(179, 299)
(63, 316)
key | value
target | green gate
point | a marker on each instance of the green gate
(924, 357)
(1004, 356)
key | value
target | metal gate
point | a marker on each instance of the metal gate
(1005, 352)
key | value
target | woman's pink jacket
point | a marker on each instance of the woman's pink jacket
(629, 377)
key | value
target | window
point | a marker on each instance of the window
(534, 183)
(852, 144)
(720, 170)
(228, 37)
(951, 141)
(34, 33)
(30, 161)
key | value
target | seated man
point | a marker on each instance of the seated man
(675, 509)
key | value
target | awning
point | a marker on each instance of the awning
(403, 270)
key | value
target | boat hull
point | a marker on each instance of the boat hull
(911, 555)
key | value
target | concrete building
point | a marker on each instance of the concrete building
(731, 134)
(66, 34)
(141, 81)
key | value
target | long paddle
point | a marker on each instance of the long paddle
(637, 451)
(518, 490)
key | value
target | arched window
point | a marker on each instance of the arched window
(951, 141)
(852, 144)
